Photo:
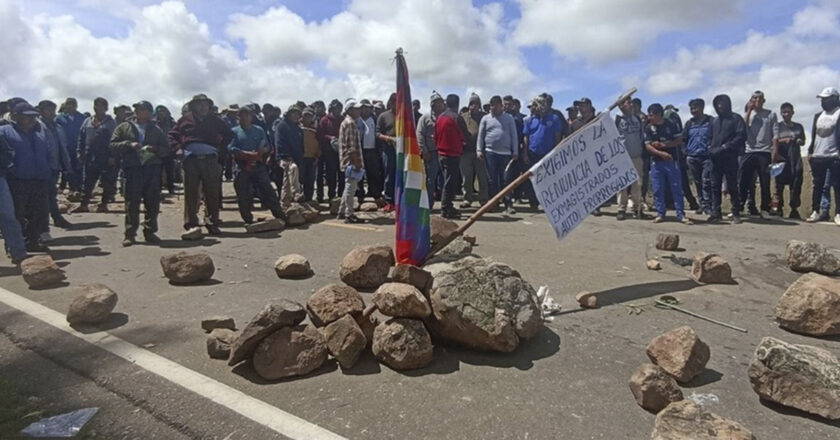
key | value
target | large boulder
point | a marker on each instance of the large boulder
(441, 228)
(685, 420)
(811, 305)
(345, 340)
(482, 304)
(219, 341)
(410, 274)
(811, 257)
(402, 344)
(292, 266)
(281, 313)
(290, 351)
(367, 267)
(187, 268)
(711, 269)
(295, 215)
(653, 388)
(679, 352)
(93, 305)
(40, 272)
(274, 224)
(333, 301)
(401, 301)
(799, 376)
(667, 242)
(457, 248)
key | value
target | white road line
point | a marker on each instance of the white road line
(233, 399)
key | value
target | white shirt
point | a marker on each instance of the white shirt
(825, 141)
(369, 138)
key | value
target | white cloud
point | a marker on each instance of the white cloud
(607, 30)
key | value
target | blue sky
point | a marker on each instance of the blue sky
(522, 47)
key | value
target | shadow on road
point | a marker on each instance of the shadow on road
(67, 254)
(246, 370)
(706, 377)
(90, 225)
(781, 409)
(77, 240)
(113, 321)
(185, 244)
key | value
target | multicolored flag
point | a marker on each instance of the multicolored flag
(412, 210)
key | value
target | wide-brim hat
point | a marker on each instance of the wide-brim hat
(201, 97)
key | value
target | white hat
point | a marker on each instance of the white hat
(350, 103)
(828, 92)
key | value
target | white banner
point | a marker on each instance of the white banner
(581, 173)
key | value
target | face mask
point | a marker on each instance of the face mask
(829, 104)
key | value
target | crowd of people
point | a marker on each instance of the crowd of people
(315, 152)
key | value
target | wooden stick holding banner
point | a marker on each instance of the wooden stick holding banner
(511, 186)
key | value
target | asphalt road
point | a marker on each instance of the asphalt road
(570, 382)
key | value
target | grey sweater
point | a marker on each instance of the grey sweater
(497, 135)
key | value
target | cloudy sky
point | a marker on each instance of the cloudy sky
(282, 51)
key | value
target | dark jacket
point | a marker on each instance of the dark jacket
(57, 141)
(696, 135)
(127, 134)
(211, 130)
(288, 141)
(327, 130)
(7, 157)
(72, 125)
(165, 126)
(729, 132)
(95, 140)
(31, 152)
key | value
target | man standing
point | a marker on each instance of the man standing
(311, 153)
(788, 139)
(386, 132)
(662, 139)
(288, 157)
(472, 167)
(697, 133)
(426, 141)
(9, 225)
(757, 155)
(248, 148)
(498, 146)
(164, 121)
(415, 105)
(29, 181)
(142, 144)
(350, 148)
(370, 153)
(328, 166)
(450, 143)
(728, 136)
(70, 120)
(824, 151)
(630, 128)
(94, 151)
(201, 135)
(541, 132)
(59, 161)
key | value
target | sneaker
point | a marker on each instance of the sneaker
(730, 216)
(36, 247)
(46, 237)
(700, 211)
(353, 220)
(340, 217)
(754, 212)
(823, 217)
(213, 229)
(465, 204)
(510, 210)
(764, 215)
(192, 234)
(17, 261)
(102, 207)
(687, 221)
(150, 237)
(714, 219)
(388, 207)
(63, 223)
(736, 220)
(640, 215)
(597, 212)
(813, 218)
(658, 219)
(645, 207)
(620, 216)
(837, 219)
(794, 215)
(128, 241)
(82, 208)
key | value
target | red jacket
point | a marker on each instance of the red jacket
(212, 130)
(448, 136)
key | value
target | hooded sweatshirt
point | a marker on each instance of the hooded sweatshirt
(729, 132)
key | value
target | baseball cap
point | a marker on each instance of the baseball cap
(365, 103)
(143, 105)
(25, 108)
(828, 92)
(582, 100)
(350, 103)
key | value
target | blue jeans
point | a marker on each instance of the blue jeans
(701, 172)
(825, 201)
(389, 157)
(825, 172)
(662, 174)
(432, 171)
(9, 225)
(496, 164)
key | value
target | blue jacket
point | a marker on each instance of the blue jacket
(57, 141)
(288, 140)
(697, 136)
(31, 152)
(7, 157)
(72, 125)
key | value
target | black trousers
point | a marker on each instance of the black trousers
(792, 176)
(168, 171)
(819, 167)
(373, 172)
(95, 173)
(451, 169)
(725, 166)
(244, 184)
(328, 173)
(32, 208)
(142, 185)
(752, 164)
